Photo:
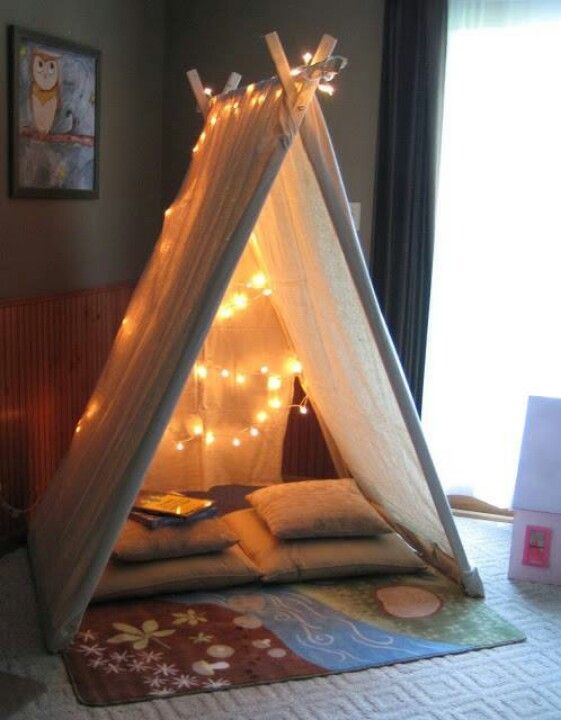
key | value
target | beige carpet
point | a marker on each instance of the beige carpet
(518, 681)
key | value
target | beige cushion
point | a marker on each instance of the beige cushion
(138, 543)
(199, 572)
(317, 508)
(293, 560)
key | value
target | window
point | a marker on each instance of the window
(495, 316)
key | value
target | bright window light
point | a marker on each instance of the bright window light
(496, 292)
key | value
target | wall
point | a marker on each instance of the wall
(217, 37)
(49, 246)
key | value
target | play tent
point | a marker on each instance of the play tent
(257, 277)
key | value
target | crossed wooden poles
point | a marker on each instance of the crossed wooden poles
(298, 90)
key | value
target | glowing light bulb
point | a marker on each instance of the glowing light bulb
(202, 372)
(202, 136)
(92, 409)
(240, 300)
(264, 369)
(275, 403)
(78, 428)
(278, 93)
(258, 280)
(208, 91)
(274, 382)
(295, 367)
(225, 373)
(306, 57)
(198, 430)
(241, 378)
(225, 312)
(295, 71)
(326, 88)
(210, 437)
(213, 120)
(303, 410)
(250, 88)
(179, 446)
(267, 292)
(253, 431)
(196, 149)
(168, 212)
(236, 442)
(262, 416)
(261, 99)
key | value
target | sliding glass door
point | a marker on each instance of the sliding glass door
(495, 315)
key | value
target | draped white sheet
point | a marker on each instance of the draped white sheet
(76, 524)
(315, 296)
(127, 431)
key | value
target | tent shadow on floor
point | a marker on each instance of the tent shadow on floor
(16, 692)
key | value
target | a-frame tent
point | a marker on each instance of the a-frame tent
(264, 175)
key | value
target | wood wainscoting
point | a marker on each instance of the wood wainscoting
(52, 350)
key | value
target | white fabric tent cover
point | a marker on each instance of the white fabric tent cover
(257, 183)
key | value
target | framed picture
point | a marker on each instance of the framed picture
(54, 116)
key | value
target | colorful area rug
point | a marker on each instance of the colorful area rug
(200, 642)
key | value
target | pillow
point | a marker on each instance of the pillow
(138, 543)
(295, 560)
(199, 572)
(317, 508)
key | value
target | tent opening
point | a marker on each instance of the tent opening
(243, 398)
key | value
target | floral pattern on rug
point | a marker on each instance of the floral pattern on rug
(154, 648)
(201, 642)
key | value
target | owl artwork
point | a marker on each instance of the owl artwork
(45, 89)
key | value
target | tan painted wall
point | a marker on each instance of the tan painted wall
(49, 246)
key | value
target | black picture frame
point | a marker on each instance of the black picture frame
(62, 161)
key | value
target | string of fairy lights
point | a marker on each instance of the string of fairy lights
(240, 298)
(255, 289)
(324, 87)
(243, 295)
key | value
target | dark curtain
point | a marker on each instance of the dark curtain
(414, 54)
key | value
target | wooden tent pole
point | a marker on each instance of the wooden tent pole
(232, 83)
(297, 99)
(198, 90)
(283, 68)
(324, 49)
